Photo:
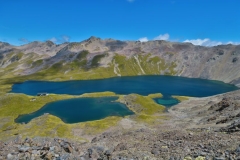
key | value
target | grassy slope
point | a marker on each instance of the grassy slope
(77, 69)
(145, 108)
(149, 65)
(99, 94)
(181, 98)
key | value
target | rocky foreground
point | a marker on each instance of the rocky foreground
(137, 144)
(200, 128)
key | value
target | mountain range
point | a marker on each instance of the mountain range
(97, 58)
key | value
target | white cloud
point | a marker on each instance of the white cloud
(165, 37)
(201, 42)
(61, 39)
(234, 43)
(143, 39)
(204, 42)
(53, 39)
(65, 38)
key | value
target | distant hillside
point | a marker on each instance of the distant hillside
(97, 58)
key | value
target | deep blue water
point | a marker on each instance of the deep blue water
(144, 85)
(87, 109)
(80, 110)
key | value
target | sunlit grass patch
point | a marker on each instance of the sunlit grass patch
(155, 95)
(181, 98)
(99, 94)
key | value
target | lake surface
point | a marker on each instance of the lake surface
(144, 85)
(80, 110)
(87, 109)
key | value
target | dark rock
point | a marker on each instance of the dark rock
(90, 152)
(108, 152)
(28, 140)
(99, 149)
(116, 45)
(155, 152)
(67, 147)
(235, 60)
(238, 149)
(23, 149)
(220, 52)
(95, 139)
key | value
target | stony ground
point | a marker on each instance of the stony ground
(200, 128)
(137, 144)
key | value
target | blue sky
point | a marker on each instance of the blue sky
(202, 22)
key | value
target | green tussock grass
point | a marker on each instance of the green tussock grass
(181, 98)
(155, 95)
(96, 59)
(82, 55)
(51, 126)
(145, 108)
(43, 126)
(46, 126)
(80, 61)
(98, 126)
(17, 104)
(37, 63)
(148, 65)
(17, 57)
(150, 119)
(149, 106)
(99, 94)
(4, 87)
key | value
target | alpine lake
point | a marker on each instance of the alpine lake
(88, 109)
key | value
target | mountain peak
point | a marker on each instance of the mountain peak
(49, 43)
(93, 38)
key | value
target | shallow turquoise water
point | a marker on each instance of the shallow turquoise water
(167, 101)
(80, 110)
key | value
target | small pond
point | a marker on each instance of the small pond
(80, 110)
(167, 101)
